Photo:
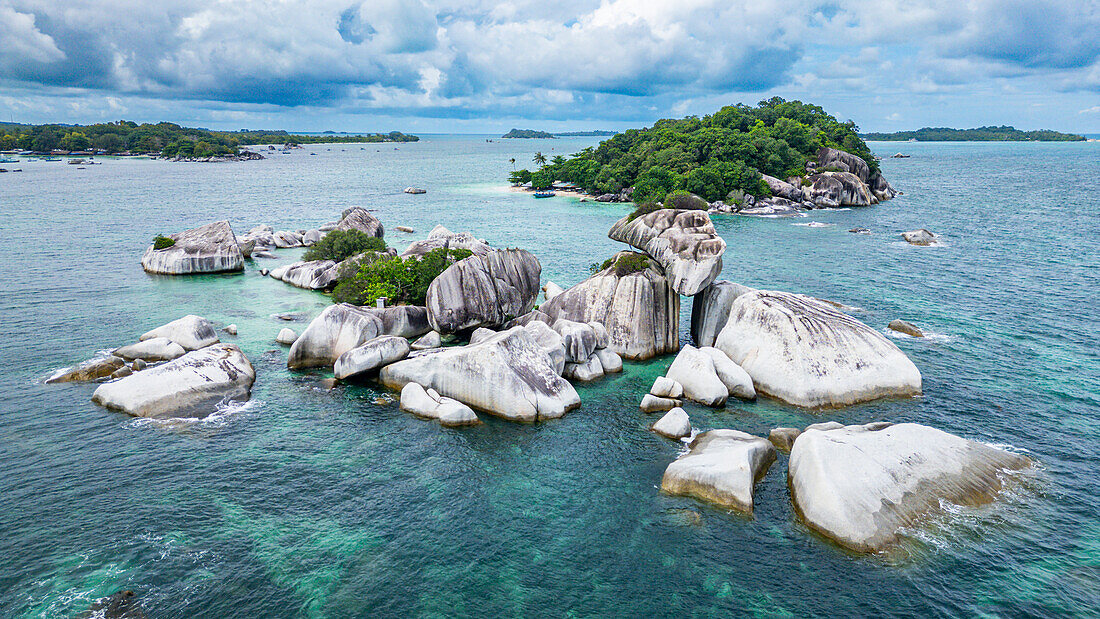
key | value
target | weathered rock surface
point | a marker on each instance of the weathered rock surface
(230, 329)
(654, 404)
(783, 438)
(286, 336)
(442, 238)
(807, 353)
(610, 360)
(338, 329)
(190, 386)
(359, 218)
(880, 188)
(675, 424)
(721, 467)
(907, 328)
(835, 189)
(481, 334)
(312, 275)
(192, 332)
(683, 242)
(484, 291)
(579, 339)
(432, 339)
(429, 404)
(921, 237)
(844, 162)
(311, 237)
(371, 355)
(509, 375)
(88, 371)
(588, 371)
(710, 309)
(665, 387)
(858, 486)
(640, 311)
(734, 377)
(551, 343)
(783, 189)
(286, 239)
(694, 370)
(404, 320)
(531, 316)
(207, 249)
(551, 290)
(155, 349)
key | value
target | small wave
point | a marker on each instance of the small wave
(930, 336)
(222, 416)
(814, 224)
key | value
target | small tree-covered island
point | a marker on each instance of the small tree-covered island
(528, 134)
(1003, 133)
(780, 156)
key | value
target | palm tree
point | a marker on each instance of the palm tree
(540, 158)
(513, 162)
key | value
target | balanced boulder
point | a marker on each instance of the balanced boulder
(207, 249)
(683, 242)
(155, 349)
(721, 467)
(191, 332)
(371, 355)
(190, 386)
(484, 291)
(807, 353)
(860, 485)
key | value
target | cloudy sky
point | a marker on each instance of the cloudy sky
(479, 66)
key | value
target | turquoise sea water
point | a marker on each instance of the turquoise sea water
(307, 502)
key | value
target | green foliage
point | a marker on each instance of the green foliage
(341, 244)
(528, 133)
(542, 180)
(643, 208)
(399, 280)
(981, 134)
(685, 200)
(162, 242)
(540, 158)
(520, 177)
(713, 155)
(630, 263)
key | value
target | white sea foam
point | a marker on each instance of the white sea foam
(814, 224)
(223, 415)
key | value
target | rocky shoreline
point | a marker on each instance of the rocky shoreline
(479, 346)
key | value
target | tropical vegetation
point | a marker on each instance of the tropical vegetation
(712, 157)
(528, 133)
(1003, 133)
(396, 279)
(339, 245)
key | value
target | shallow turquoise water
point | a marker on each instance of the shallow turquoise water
(315, 503)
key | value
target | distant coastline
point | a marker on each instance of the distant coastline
(546, 135)
(1003, 133)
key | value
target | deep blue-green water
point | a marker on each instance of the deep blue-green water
(313, 503)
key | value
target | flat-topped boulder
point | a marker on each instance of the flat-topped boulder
(359, 218)
(836, 189)
(153, 349)
(191, 332)
(509, 375)
(207, 249)
(371, 355)
(311, 275)
(639, 310)
(808, 353)
(193, 385)
(442, 238)
(720, 467)
(711, 308)
(484, 291)
(860, 485)
(683, 242)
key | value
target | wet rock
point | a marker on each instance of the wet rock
(880, 188)
(190, 386)
(207, 249)
(675, 424)
(807, 353)
(90, 370)
(665, 387)
(654, 404)
(286, 336)
(721, 467)
(138, 365)
(312, 275)
(694, 370)
(734, 377)
(192, 332)
(122, 372)
(859, 486)
(510, 375)
(683, 242)
(920, 237)
(859, 231)
(118, 605)
(405, 229)
(432, 339)
(907, 328)
(783, 438)
(710, 309)
(640, 311)
(484, 291)
(230, 329)
(156, 349)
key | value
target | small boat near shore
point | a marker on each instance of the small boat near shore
(544, 194)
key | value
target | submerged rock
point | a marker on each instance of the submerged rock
(509, 375)
(90, 370)
(639, 310)
(683, 242)
(694, 370)
(721, 467)
(192, 332)
(155, 349)
(920, 237)
(118, 605)
(207, 249)
(711, 308)
(907, 328)
(675, 424)
(359, 218)
(313, 275)
(190, 386)
(859, 486)
(484, 291)
(807, 353)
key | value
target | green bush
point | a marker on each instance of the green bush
(342, 244)
(685, 200)
(349, 267)
(162, 242)
(631, 263)
(400, 281)
(644, 208)
(542, 180)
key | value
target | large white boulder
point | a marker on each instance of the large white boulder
(359, 218)
(156, 349)
(859, 485)
(585, 372)
(510, 375)
(675, 424)
(734, 377)
(429, 404)
(483, 291)
(684, 242)
(190, 386)
(639, 310)
(710, 309)
(721, 467)
(694, 370)
(286, 336)
(579, 339)
(665, 387)
(807, 353)
(207, 249)
(610, 360)
(192, 332)
(338, 329)
(312, 275)
(371, 355)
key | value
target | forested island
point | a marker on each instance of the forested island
(1003, 133)
(528, 134)
(164, 139)
(713, 157)
(586, 134)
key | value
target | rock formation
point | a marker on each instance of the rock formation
(484, 291)
(683, 242)
(207, 249)
(721, 467)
